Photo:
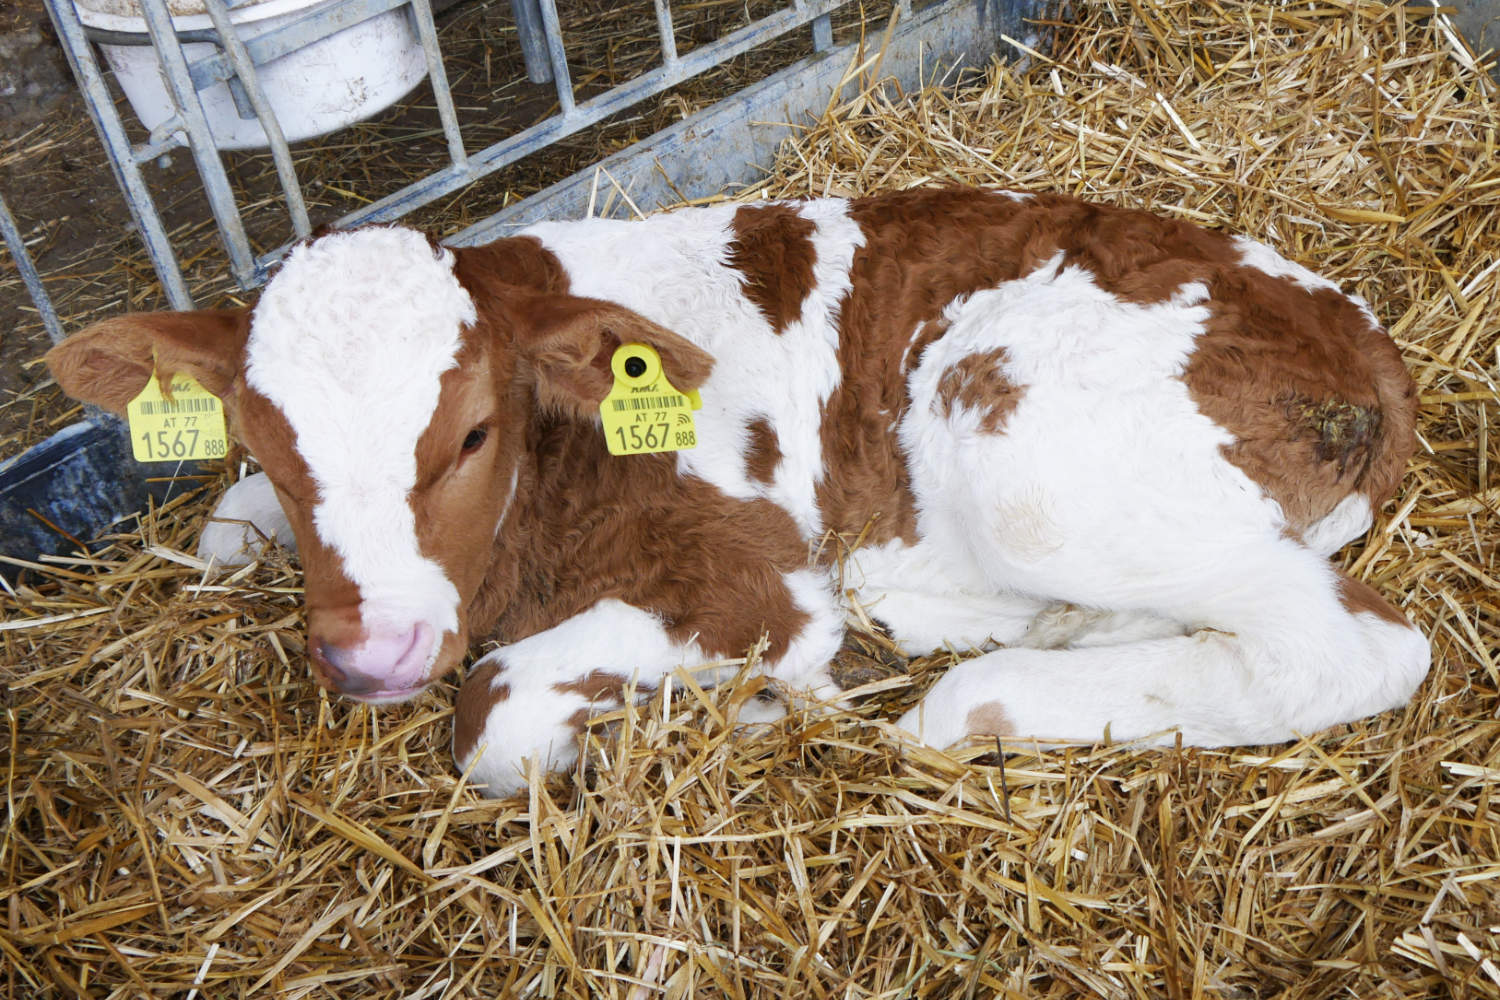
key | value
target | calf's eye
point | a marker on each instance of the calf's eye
(473, 440)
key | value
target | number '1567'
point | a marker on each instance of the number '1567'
(637, 436)
(164, 444)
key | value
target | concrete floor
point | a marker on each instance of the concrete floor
(1479, 20)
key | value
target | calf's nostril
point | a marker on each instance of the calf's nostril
(333, 663)
(378, 663)
(326, 657)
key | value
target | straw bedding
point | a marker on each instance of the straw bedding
(187, 816)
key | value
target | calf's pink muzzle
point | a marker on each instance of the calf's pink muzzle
(384, 663)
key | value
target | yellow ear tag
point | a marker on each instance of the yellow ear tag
(643, 413)
(187, 427)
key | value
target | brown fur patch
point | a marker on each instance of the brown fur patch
(587, 526)
(989, 719)
(601, 685)
(499, 268)
(1318, 400)
(976, 383)
(764, 452)
(476, 699)
(1358, 597)
(773, 249)
(923, 248)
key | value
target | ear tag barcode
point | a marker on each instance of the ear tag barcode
(187, 427)
(643, 413)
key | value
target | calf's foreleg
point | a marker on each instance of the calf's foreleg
(529, 702)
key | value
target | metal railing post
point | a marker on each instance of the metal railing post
(668, 36)
(122, 162)
(533, 45)
(29, 275)
(438, 77)
(245, 72)
(559, 58)
(192, 121)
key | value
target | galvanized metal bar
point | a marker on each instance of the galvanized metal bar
(822, 33)
(101, 108)
(29, 275)
(528, 140)
(246, 74)
(201, 142)
(166, 136)
(243, 106)
(528, 17)
(560, 76)
(667, 32)
(268, 44)
(438, 77)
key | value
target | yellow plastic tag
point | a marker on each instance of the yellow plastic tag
(187, 427)
(643, 413)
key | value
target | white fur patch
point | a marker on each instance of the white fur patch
(679, 277)
(803, 668)
(349, 341)
(1103, 425)
(1263, 258)
(1349, 519)
(931, 601)
(534, 721)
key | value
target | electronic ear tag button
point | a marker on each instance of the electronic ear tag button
(185, 428)
(643, 412)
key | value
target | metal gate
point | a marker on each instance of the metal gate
(965, 31)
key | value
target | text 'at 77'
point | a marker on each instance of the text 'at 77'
(644, 412)
(185, 427)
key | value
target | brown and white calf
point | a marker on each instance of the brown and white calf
(1112, 450)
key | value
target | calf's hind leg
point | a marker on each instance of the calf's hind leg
(1287, 647)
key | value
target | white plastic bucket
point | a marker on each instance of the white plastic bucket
(321, 87)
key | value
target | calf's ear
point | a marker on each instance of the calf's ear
(570, 342)
(109, 363)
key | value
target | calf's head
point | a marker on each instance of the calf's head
(386, 386)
